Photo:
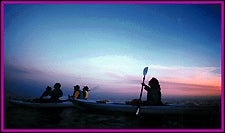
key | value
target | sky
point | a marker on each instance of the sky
(107, 46)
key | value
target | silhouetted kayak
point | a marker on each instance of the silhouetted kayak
(105, 106)
(41, 104)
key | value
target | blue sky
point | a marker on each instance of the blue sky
(106, 46)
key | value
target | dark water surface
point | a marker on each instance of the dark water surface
(17, 117)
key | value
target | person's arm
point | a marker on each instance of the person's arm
(146, 87)
(61, 93)
(143, 84)
(43, 94)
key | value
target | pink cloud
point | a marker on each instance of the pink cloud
(173, 88)
(189, 75)
(131, 84)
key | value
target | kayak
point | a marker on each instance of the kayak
(106, 106)
(31, 103)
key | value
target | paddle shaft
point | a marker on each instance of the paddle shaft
(142, 88)
(139, 105)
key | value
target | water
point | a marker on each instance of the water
(17, 117)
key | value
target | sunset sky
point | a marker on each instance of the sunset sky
(107, 46)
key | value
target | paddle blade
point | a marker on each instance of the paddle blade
(145, 71)
(137, 112)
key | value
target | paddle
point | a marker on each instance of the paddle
(144, 73)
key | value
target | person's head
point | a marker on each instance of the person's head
(76, 87)
(153, 82)
(85, 88)
(57, 85)
(48, 88)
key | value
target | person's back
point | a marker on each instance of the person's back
(57, 92)
(85, 95)
(154, 94)
(77, 92)
(85, 92)
(156, 91)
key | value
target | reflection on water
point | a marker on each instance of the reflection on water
(17, 117)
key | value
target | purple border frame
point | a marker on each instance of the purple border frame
(112, 2)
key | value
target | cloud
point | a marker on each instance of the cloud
(208, 76)
(182, 89)
(175, 80)
(20, 72)
(121, 74)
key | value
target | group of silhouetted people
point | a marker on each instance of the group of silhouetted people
(56, 93)
(153, 92)
(80, 94)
